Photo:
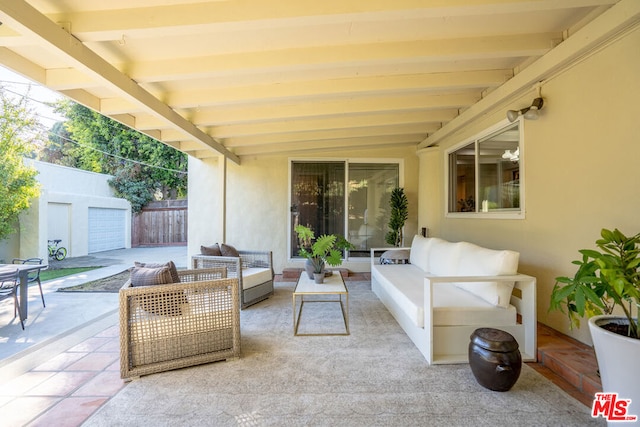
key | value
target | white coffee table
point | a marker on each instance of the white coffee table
(333, 285)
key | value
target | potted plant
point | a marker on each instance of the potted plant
(399, 215)
(608, 278)
(327, 248)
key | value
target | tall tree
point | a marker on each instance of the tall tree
(18, 137)
(59, 149)
(143, 168)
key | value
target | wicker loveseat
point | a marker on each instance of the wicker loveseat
(173, 326)
(254, 270)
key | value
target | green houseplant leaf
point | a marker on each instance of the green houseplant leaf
(327, 248)
(605, 279)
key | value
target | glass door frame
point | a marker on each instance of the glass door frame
(346, 161)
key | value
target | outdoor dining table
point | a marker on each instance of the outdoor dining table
(24, 270)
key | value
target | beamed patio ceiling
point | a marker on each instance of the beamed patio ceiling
(246, 78)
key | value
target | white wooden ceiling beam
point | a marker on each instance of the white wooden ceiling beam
(341, 122)
(315, 135)
(22, 66)
(301, 59)
(337, 87)
(102, 25)
(83, 97)
(254, 113)
(27, 19)
(323, 145)
(170, 136)
(68, 78)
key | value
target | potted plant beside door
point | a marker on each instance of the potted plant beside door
(399, 214)
(327, 248)
(608, 278)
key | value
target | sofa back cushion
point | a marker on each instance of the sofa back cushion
(419, 254)
(213, 250)
(479, 261)
(444, 258)
(168, 303)
(175, 278)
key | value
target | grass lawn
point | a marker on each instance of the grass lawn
(54, 274)
(107, 284)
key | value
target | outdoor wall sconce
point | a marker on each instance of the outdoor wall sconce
(529, 113)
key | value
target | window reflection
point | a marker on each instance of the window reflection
(499, 171)
(485, 174)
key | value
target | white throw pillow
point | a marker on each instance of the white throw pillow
(479, 261)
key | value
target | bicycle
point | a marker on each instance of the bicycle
(55, 252)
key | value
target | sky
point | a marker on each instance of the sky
(16, 84)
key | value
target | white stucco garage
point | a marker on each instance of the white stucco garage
(75, 206)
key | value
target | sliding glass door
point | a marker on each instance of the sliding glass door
(370, 186)
(322, 191)
(317, 198)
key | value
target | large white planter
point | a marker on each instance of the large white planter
(618, 357)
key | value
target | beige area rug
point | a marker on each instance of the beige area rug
(373, 377)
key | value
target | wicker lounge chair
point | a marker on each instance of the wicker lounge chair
(253, 269)
(173, 326)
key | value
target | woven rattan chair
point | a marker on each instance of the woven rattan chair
(166, 327)
(254, 270)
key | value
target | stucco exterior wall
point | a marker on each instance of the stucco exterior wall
(206, 203)
(257, 210)
(581, 171)
(77, 189)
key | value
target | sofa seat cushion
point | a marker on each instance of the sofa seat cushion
(254, 276)
(451, 305)
(404, 283)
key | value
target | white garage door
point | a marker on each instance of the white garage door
(106, 229)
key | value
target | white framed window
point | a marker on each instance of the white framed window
(485, 176)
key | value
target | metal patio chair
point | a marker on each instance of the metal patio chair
(9, 282)
(34, 276)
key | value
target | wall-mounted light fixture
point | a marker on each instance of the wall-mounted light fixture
(529, 113)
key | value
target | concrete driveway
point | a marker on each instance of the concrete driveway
(177, 254)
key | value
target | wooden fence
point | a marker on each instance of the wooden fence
(162, 223)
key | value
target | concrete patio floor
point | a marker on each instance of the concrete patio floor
(65, 365)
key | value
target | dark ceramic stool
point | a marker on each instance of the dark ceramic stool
(494, 358)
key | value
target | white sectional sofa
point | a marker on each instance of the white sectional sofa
(448, 290)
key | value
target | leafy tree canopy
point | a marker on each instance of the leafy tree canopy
(18, 137)
(143, 168)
